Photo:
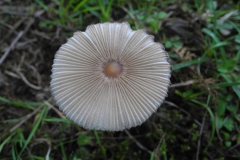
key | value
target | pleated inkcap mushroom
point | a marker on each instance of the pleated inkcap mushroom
(110, 77)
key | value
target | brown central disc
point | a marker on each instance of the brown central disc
(112, 69)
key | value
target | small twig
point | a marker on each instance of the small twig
(57, 32)
(2, 79)
(29, 24)
(21, 62)
(217, 130)
(183, 110)
(182, 84)
(38, 76)
(138, 143)
(41, 34)
(21, 45)
(12, 29)
(157, 148)
(131, 15)
(233, 147)
(25, 119)
(199, 139)
(27, 82)
(14, 75)
(160, 142)
(198, 66)
(226, 17)
(11, 47)
(55, 109)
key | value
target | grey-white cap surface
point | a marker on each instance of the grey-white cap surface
(110, 77)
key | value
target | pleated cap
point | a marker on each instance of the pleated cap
(110, 77)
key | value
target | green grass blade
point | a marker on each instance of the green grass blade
(210, 34)
(188, 63)
(211, 117)
(41, 4)
(57, 120)
(152, 156)
(79, 5)
(6, 141)
(5, 100)
(235, 85)
(100, 144)
(28, 105)
(69, 5)
(217, 41)
(13, 154)
(108, 10)
(220, 44)
(226, 84)
(41, 116)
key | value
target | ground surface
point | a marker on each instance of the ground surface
(200, 118)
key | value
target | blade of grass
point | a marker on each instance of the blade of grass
(152, 156)
(188, 63)
(220, 44)
(28, 105)
(90, 9)
(40, 118)
(100, 144)
(63, 150)
(105, 10)
(210, 34)
(108, 10)
(6, 141)
(13, 154)
(68, 6)
(236, 88)
(41, 4)
(217, 41)
(79, 5)
(21, 139)
(163, 149)
(58, 120)
(212, 119)
(4, 100)
(214, 17)
(226, 84)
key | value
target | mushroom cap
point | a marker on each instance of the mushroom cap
(110, 77)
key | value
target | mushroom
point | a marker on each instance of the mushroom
(110, 77)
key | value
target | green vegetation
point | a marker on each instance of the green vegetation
(200, 118)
